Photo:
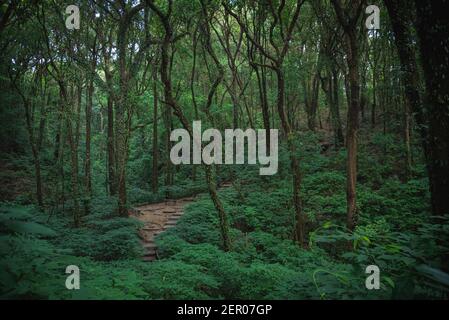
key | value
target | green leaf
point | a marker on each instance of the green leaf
(434, 274)
(389, 281)
(30, 228)
(327, 225)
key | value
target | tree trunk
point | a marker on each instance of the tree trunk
(87, 165)
(311, 101)
(73, 144)
(407, 139)
(224, 225)
(433, 31)
(122, 150)
(350, 25)
(407, 55)
(374, 105)
(265, 109)
(294, 163)
(37, 167)
(336, 102)
(168, 163)
(74, 175)
(363, 97)
(121, 109)
(154, 172)
(111, 149)
(352, 128)
(35, 152)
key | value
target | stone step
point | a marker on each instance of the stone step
(149, 245)
(149, 258)
(150, 208)
(170, 209)
(150, 252)
(150, 228)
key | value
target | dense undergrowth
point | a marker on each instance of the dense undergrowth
(395, 232)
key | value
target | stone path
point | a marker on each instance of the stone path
(157, 218)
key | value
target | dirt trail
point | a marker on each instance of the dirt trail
(157, 218)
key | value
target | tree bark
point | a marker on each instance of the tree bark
(311, 101)
(168, 164)
(407, 139)
(73, 150)
(351, 135)
(340, 140)
(112, 183)
(262, 83)
(36, 153)
(433, 31)
(349, 23)
(154, 172)
(87, 164)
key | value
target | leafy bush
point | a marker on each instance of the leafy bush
(106, 240)
(175, 280)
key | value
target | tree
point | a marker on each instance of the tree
(172, 103)
(348, 18)
(18, 81)
(93, 52)
(276, 64)
(433, 29)
(430, 110)
(155, 174)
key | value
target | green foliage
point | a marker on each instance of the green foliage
(43, 125)
(175, 279)
(15, 220)
(394, 232)
(260, 279)
(106, 240)
(200, 225)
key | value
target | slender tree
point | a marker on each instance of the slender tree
(348, 16)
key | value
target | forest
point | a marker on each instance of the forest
(92, 205)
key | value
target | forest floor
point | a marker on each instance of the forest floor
(177, 230)
(158, 217)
